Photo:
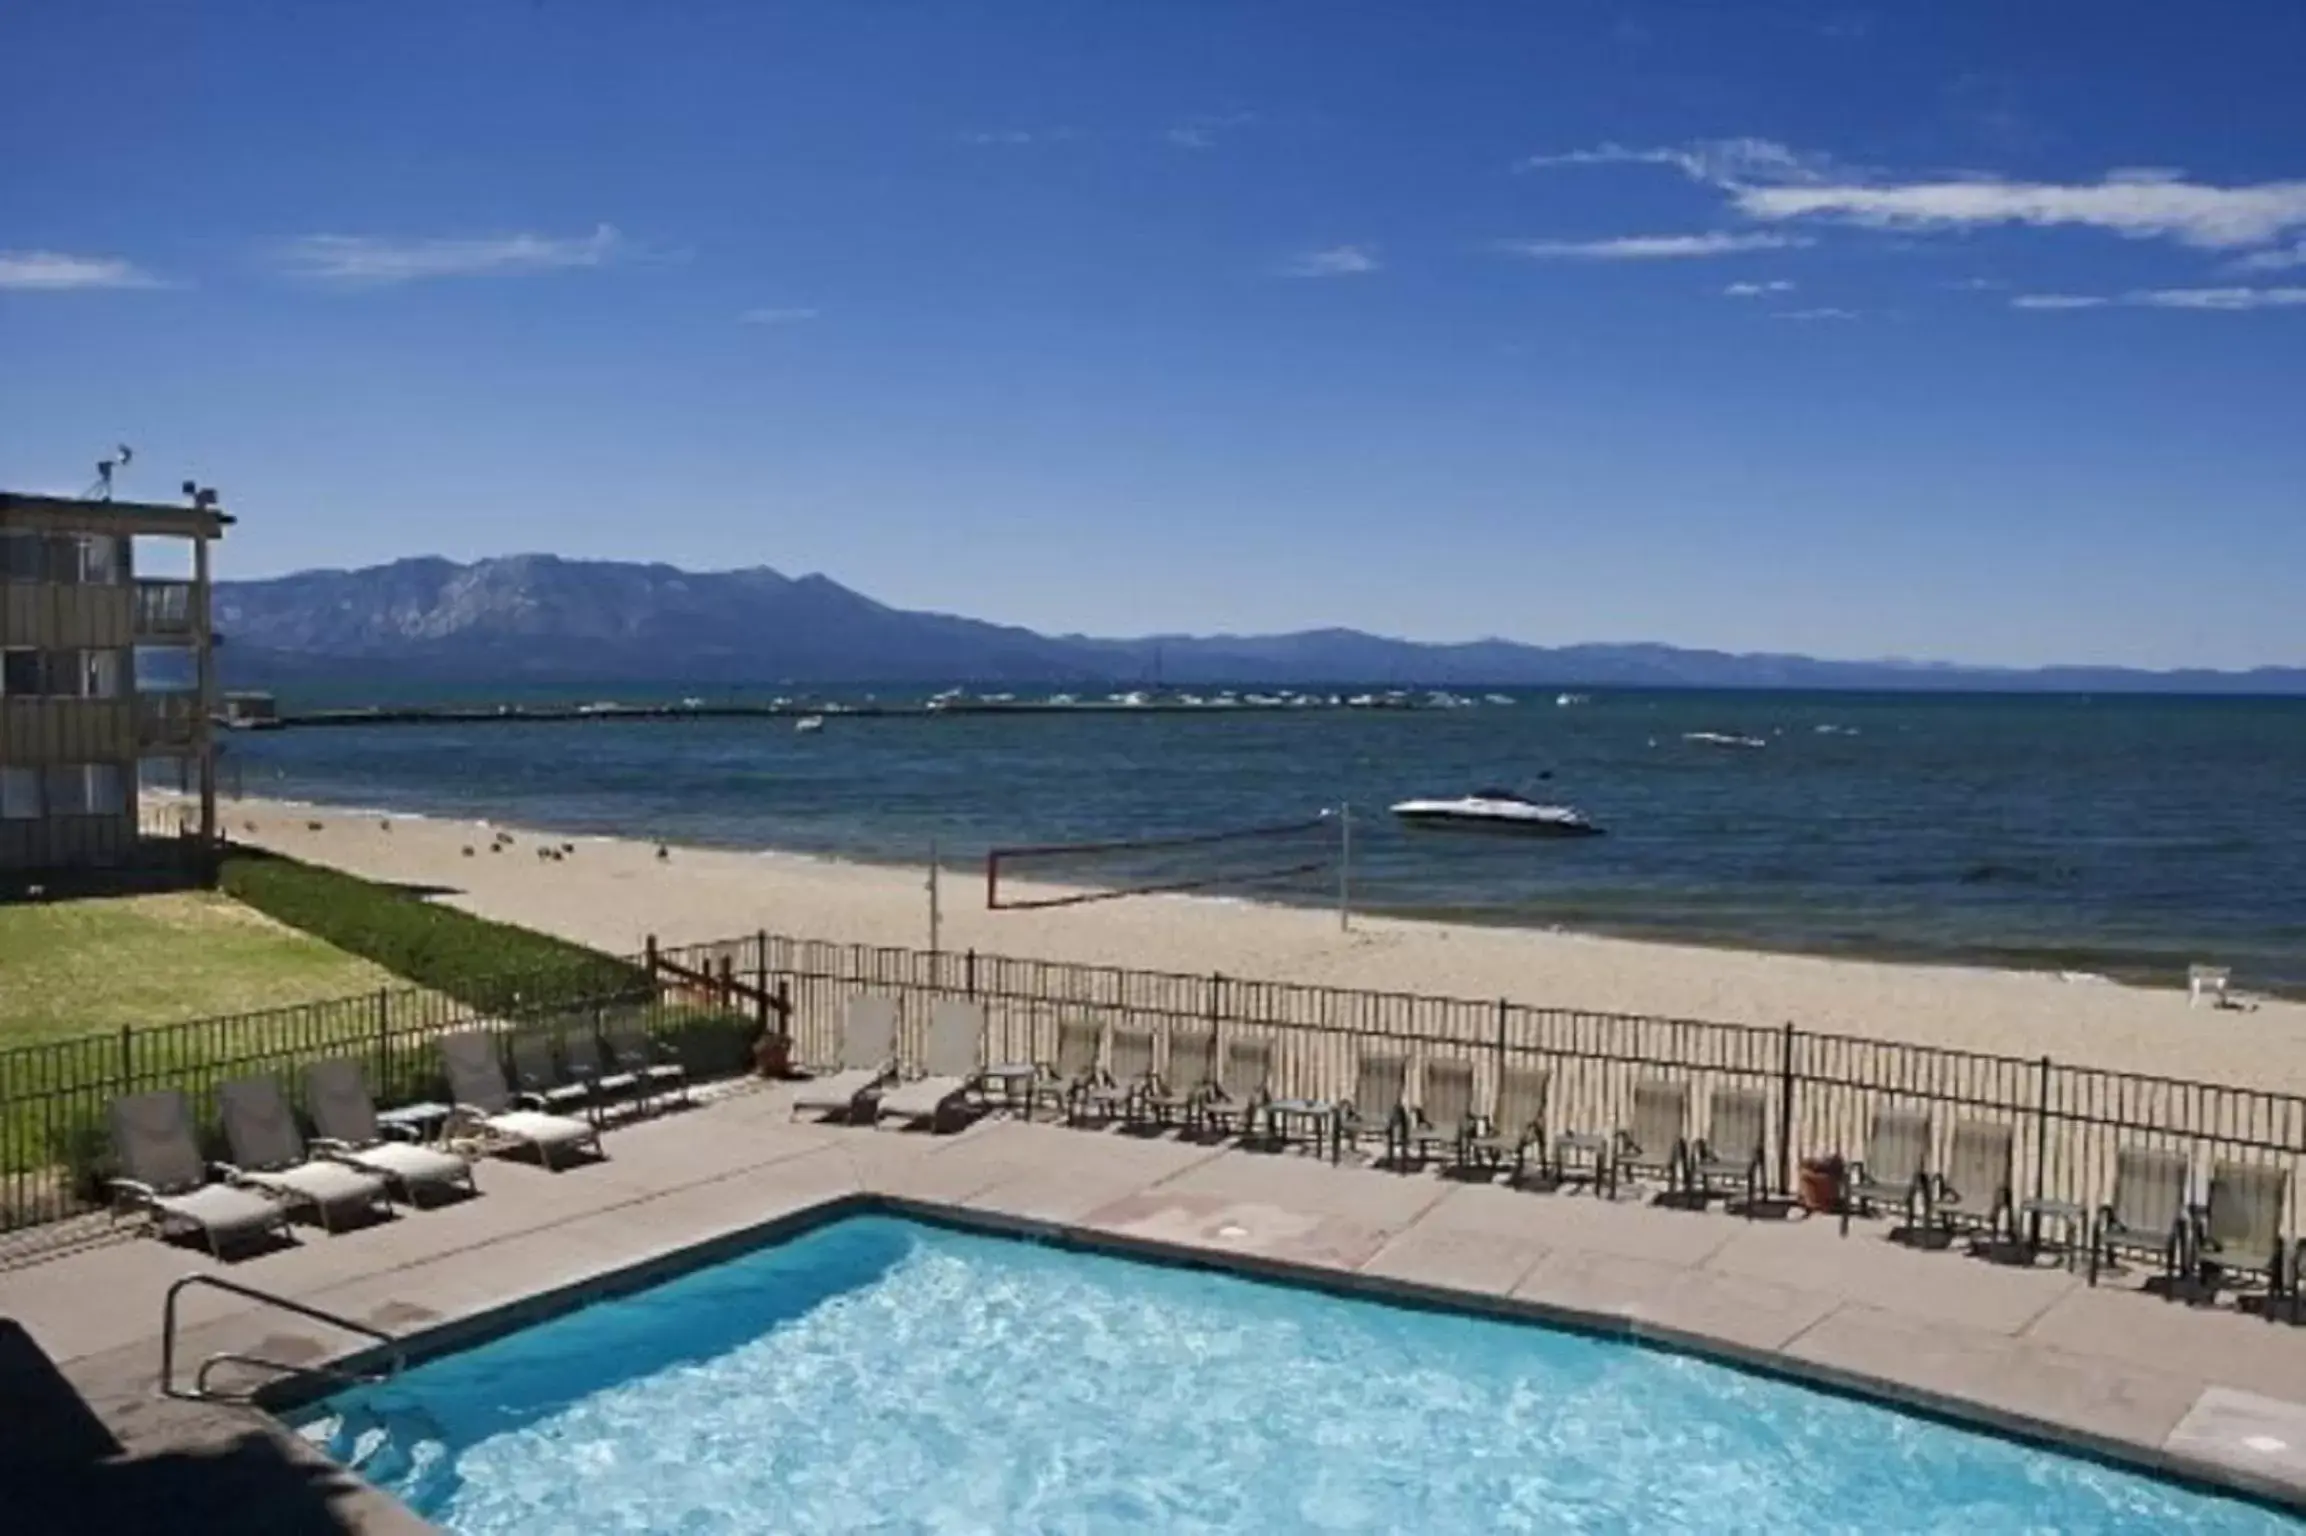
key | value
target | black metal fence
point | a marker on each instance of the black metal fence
(1822, 1089)
(54, 1147)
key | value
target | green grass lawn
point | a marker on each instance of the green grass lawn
(73, 967)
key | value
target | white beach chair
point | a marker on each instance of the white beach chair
(2207, 981)
(952, 1061)
(868, 1057)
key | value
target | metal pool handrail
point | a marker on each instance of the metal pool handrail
(199, 1391)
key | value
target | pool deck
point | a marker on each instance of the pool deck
(2201, 1389)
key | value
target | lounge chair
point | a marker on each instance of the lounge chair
(1444, 1115)
(1895, 1168)
(1974, 1189)
(1176, 1093)
(1519, 1122)
(868, 1060)
(484, 1102)
(2241, 1231)
(544, 1083)
(268, 1153)
(1064, 1082)
(164, 1175)
(345, 1127)
(1730, 1156)
(649, 1061)
(2148, 1212)
(583, 1059)
(1118, 1089)
(1244, 1087)
(1657, 1141)
(952, 1063)
(1378, 1104)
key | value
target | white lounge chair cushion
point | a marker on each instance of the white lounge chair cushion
(839, 1091)
(323, 1183)
(543, 1129)
(410, 1164)
(923, 1097)
(222, 1208)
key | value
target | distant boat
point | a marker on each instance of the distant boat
(809, 723)
(1497, 810)
(1565, 700)
(1722, 739)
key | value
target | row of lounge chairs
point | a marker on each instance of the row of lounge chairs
(354, 1163)
(1110, 1073)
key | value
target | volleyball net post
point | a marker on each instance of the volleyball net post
(1306, 858)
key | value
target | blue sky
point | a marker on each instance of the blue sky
(1973, 331)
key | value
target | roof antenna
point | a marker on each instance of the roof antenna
(102, 489)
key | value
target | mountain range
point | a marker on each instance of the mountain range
(541, 619)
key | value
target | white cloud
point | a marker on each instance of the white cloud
(1017, 137)
(57, 272)
(2135, 204)
(1653, 247)
(1824, 312)
(788, 316)
(1716, 162)
(2274, 261)
(1978, 284)
(1202, 131)
(1337, 261)
(1756, 290)
(375, 261)
(2171, 298)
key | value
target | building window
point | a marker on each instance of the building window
(19, 794)
(19, 672)
(99, 674)
(103, 560)
(65, 787)
(107, 790)
(19, 556)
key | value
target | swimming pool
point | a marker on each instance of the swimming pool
(879, 1373)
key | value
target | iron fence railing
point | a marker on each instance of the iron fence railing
(715, 1000)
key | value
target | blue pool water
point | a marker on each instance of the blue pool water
(877, 1374)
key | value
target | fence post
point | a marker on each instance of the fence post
(1786, 1110)
(2042, 1132)
(1216, 992)
(649, 954)
(127, 1057)
(969, 974)
(728, 982)
(761, 961)
(383, 1082)
(1504, 1008)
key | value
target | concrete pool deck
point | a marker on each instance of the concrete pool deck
(2200, 1390)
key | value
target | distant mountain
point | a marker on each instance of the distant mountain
(542, 619)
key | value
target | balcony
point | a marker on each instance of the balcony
(167, 722)
(164, 611)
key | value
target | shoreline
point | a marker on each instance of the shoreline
(612, 892)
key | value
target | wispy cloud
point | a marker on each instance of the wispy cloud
(1756, 290)
(59, 272)
(1822, 312)
(1336, 261)
(785, 316)
(2273, 261)
(2137, 204)
(1652, 247)
(376, 261)
(2228, 299)
(1012, 138)
(1978, 284)
(1715, 162)
(1203, 130)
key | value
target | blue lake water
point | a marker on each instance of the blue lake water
(876, 1374)
(2122, 835)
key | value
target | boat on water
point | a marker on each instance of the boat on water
(1497, 810)
(809, 723)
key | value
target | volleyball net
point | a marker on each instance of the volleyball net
(1296, 856)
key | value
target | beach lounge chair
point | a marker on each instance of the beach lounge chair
(345, 1127)
(868, 1060)
(268, 1153)
(1175, 1095)
(1244, 1087)
(1067, 1080)
(164, 1175)
(1895, 1168)
(1730, 1156)
(1657, 1141)
(484, 1102)
(1519, 1121)
(1974, 1189)
(2148, 1212)
(2241, 1231)
(1444, 1115)
(544, 1083)
(952, 1062)
(1379, 1104)
(650, 1062)
(1118, 1089)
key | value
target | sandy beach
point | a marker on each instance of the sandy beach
(614, 893)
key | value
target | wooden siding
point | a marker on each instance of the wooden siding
(41, 731)
(57, 617)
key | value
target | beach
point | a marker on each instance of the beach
(614, 893)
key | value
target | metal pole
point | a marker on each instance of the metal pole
(934, 914)
(1345, 866)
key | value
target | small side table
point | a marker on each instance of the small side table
(422, 1122)
(1016, 1079)
(1317, 1116)
(2073, 1223)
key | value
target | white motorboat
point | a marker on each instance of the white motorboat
(808, 723)
(1497, 810)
